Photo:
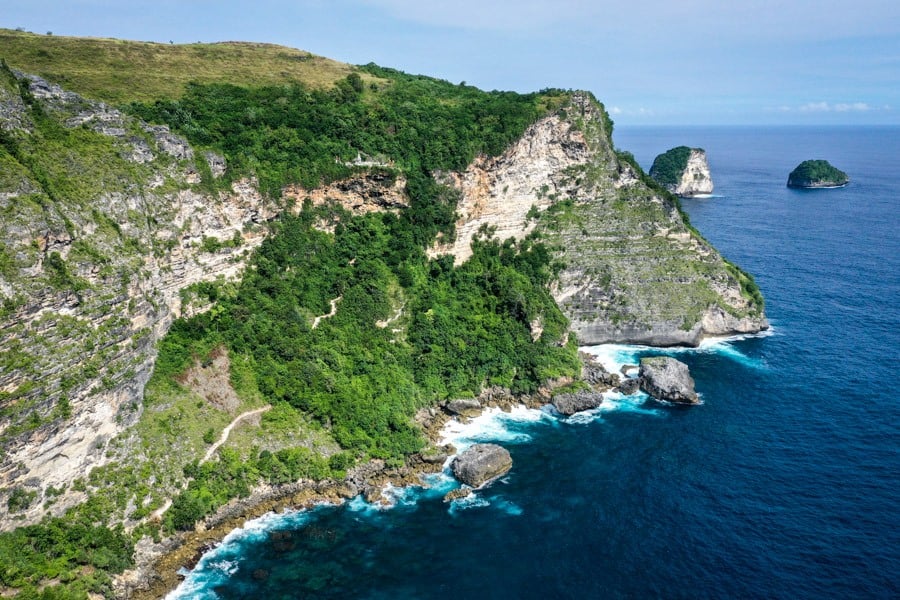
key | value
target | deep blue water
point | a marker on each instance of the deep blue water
(785, 483)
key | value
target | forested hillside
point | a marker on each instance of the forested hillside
(341, 323)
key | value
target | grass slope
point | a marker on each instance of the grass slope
(121, 71)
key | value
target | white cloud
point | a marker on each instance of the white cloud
(815, 107)
(856, 106)
(617, 111)
(839, 107)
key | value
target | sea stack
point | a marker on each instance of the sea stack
(683, 171)
(813, 174)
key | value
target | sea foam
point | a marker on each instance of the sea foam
(614, 357)
(494, 425)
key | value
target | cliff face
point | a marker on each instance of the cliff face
(530, 176)
(695, 179)
(633, 270)
(107, 220)
(683, 171)
(105, 223)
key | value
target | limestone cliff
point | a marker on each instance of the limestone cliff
(683, 171)
(105, 223)
(633, 269)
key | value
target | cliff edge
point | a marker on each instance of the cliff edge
(631, 268)
(106, 221)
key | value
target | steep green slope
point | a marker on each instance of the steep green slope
(106, 217)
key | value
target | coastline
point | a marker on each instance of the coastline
(158, 565)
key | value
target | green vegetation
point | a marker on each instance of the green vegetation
(668, 166)
(297, 134)
(407, 331)
(466, 326)
(120, 71)
(78, 555)
(817, 173)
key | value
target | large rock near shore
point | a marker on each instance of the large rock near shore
(668, 379)
(569, 404)
(481, 463)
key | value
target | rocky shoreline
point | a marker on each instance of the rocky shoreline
(156, 572)
(158, 564)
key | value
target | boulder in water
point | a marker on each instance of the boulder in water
(668, 379)
(481, 463)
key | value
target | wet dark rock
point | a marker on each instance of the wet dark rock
(481, 463)
(462, 492)
(668, 379)
(629, 386)
(569, 404)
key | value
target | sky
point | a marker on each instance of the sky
(651, 62)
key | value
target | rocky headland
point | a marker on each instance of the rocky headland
(633, 271)
(94, 273)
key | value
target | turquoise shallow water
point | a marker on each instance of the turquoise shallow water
(784, 483)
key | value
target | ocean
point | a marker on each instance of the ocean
(784, 483)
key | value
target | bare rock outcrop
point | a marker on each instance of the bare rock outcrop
(530, 176)
(570, 403)
(683, 171)
(371, 191)
(668, 379)
(465, 407)
(94, 282)
(481, 463)
(633, 271)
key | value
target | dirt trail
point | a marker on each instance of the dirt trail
(159, 512)
(329, 315)
(225, 432)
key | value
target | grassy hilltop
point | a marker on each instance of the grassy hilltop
(122, 71)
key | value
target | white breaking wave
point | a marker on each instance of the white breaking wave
(493, 425)
(216, 566)
(614, 357)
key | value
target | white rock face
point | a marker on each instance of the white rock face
(696, 179)
(633, 271)
(111, 401)
(500, 191)
(85, 355)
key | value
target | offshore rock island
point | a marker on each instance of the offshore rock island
(816, 174)
(683, 171)
(217, 289)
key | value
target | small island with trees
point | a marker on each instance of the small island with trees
(683, 171)
(812, 174)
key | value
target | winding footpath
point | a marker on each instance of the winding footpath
(159, 512)
(397, 315)
(225, 432)
(333, 312)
